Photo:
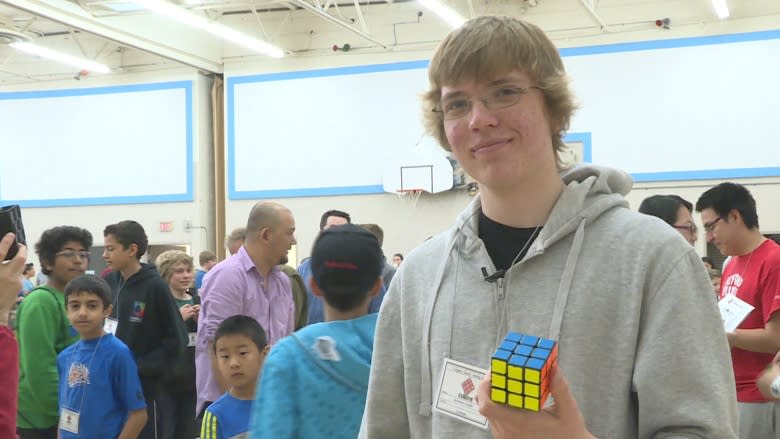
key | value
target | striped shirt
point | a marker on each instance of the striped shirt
(227, 418)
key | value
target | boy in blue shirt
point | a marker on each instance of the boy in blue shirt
(99, 392)
(241, 347)
(315, 381)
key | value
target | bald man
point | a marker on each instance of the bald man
(249, 283)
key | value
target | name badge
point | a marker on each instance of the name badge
(193, 337)
(457, 389)
(69, 421)
(110, 326)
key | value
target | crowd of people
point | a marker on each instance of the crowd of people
(352, 345)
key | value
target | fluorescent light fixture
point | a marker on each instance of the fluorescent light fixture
(186, 17)
(74, 61)
(448, 15)
(721, 8)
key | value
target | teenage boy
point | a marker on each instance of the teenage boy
(144, 316)
(314, 382)
(99, 393)
(43, 330)
(728, 214)
(546, 251)
(241, 347)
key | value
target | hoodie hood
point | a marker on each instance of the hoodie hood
(589, 191)
(342, 349)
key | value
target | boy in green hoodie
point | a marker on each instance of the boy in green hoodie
(43, 330)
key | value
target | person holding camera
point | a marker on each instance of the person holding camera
(10, 284)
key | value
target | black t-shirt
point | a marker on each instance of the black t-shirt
(504, 243)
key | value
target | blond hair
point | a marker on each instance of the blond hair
(487, 47)
(169, 259)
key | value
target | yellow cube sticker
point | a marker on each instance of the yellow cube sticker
(532, 390)
(498, 395)
(516, 401)
(498, 366)
(497, 380)
(515, 386)
(515, 372)
(533, 376)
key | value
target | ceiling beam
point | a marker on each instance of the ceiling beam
(590, 6)
(319, 12)
(192, 49)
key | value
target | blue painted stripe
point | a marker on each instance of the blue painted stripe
(188, 195)
(338, 71)
(671, 43)
(707, 174)
(96, 90)
(72, 202)
(307, 192)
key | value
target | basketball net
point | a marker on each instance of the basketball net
(410, 195)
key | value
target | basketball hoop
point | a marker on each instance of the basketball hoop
(409, 195)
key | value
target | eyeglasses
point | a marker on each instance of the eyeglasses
(495, 99)
(690, 227)
(709, 227)
(73, 254)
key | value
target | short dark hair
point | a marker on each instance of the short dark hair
(707, 260)
(729, 196)
(129, 232)
(376, 231)
(330, 213)
(401, 256)
(206, 256)
(242, 325)
(53, 239)
(89, 283)
(664, 207)
(27, 267)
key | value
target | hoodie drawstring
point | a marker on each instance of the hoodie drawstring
(566, 279)
(425, 348)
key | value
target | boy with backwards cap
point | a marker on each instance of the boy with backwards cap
(314, 382)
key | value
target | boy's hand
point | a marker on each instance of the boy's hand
(563, 420)
(196, 310)
(766, 378)
(186, 312)
(10, 274)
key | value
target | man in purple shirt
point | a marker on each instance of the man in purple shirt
(248, 283)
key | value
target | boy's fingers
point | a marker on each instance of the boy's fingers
(559, 389)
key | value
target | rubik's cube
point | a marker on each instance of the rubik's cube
(520, 371)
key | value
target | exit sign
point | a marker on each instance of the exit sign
(166, 226)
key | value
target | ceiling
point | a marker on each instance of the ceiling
(129, 39)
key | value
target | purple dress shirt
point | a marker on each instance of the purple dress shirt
(235, 286)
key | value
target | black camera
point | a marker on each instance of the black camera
(11, 221)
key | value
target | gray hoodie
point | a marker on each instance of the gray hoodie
(640, 338)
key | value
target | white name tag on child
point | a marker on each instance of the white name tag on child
(457, 389)
(193, 338)
(110, 326)
(733, 311)
(69, 421)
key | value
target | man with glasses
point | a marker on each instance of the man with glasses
(546, 251)
(43, 329)
(728, 214)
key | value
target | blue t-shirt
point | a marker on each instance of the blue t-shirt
(227, 418)
(199, 278)
(99, 380)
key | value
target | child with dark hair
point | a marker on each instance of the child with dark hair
(43, 331)
(241, 347)
(145, 317)
(99, 392)
(315, 381)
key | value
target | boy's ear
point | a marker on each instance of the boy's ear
(265, 350)
(133, 247)
(315, 289)
(107, 310)
(377, 286)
